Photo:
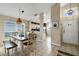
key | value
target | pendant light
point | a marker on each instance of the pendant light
(19, 21)
(70, 11)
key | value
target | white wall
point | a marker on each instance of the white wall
(56, 33)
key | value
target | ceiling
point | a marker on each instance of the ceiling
(12, 9)
(64, 4)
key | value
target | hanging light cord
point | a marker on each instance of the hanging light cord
(70, 5)
(19, 12)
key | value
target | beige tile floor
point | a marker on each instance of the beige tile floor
(70, 48)
(43, 48)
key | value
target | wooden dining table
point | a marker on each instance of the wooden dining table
(21, 40)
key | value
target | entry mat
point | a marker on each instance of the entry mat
(62, 53)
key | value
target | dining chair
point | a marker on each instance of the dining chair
(9, 45)
(31, 42)
(14, 39)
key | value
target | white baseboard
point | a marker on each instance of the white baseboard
(55, 44)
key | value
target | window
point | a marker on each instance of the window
(11, 26)
(75, 12)
(21, 29)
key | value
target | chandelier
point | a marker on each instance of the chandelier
(70, 11)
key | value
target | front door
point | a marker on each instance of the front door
(70, 31)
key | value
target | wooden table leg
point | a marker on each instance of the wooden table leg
(22, 46)
(12, 51)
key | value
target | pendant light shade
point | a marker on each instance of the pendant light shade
(19, 21)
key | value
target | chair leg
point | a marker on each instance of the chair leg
(35, 49)
(8, 52)
(5, 50)
(15, 50)
(22, 47)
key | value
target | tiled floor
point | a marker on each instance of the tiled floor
(70, 48)
(43, 48)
